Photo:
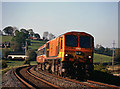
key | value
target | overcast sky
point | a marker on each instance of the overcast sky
(99, 19)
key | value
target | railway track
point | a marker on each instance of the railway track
(32, 77)
(88, 83)
(30, 81)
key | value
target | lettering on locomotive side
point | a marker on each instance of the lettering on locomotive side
(78, 48)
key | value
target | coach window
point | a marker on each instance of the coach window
(43, 50)
(47, 46)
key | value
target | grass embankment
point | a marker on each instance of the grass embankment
(105, 78)
(101, 62)
(99, 58)
(35, 44)
(14, 64)
(6, 38)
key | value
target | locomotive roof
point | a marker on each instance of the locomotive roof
(82, 33)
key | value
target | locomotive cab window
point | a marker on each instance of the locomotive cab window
(71, 40)
(85, 42)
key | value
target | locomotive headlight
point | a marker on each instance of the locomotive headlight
(89, 57)
(63, 70)
(66, 55)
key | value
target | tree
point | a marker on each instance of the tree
(37, 35)
(15, 28)
(4, 64)
(25, 31)
(101, 50)
(9, 30)
(117, 56)
(18, 41)
(16, 46)
(20, 38)
(31, 55)
(16, 32)
(5, 53)
(31, 32)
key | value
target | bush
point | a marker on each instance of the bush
(101, 68)
(28, 42)
(4, 64)
(5, 53)
(27, 62)
(31, 55)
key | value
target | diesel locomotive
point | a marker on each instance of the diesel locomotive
(70, 54)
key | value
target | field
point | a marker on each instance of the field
(14, 64)
(36, 44)
(6, 38)
(101, 58)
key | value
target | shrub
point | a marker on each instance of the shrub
(28, 42)
(27, 62)
(5, 53)
(4, 64)
(101, 68)
(31, 55)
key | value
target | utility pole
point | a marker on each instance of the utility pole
(26, 49)
(113, 54)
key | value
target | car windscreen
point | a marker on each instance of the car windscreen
(71, 40)
(85, 42)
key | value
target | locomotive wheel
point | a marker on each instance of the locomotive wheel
(41, 66)
(50, 68)
(58, 70)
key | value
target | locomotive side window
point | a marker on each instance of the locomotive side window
(47, 54)
(47, 46)
(61, 43)
(43, 51)
(85, 42)
(71, 40)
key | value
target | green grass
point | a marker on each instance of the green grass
(6, 38)
(36, 44)
(101, 58)
(14, 64)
